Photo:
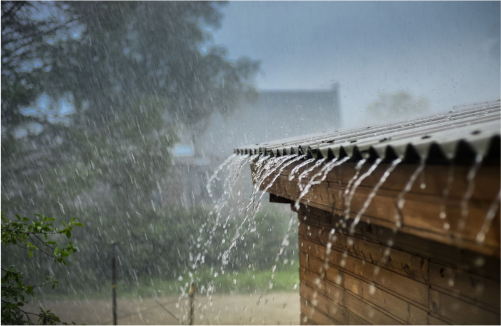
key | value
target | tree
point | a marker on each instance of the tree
(397, 105)
(31, 236)
(132, 72)
(25, 29)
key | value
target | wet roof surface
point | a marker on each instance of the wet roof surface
(459, 134)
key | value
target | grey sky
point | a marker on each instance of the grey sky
(445, 51)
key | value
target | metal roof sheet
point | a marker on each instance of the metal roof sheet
(456, 135)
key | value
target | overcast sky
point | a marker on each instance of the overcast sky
(445, 51)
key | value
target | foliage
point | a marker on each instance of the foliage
(31, 236)
(25, 27)
(134, 72)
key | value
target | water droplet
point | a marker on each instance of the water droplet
(443, 215)
(480, 261)
(372, 289)
(234, 281)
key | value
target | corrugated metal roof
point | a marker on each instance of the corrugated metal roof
(456, 135)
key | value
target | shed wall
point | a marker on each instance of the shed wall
(419, 282)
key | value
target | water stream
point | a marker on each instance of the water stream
(446, 193)
(470, 180)
(321, 175)
(307, 171)
(372, 194)
(358, 167)
(407, 188)
(491, 213)
(296, 168)
(356, 184)
(273, 164)
(265, 172)
(214, 175)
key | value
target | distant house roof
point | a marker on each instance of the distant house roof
(274, 114)
(456, 134)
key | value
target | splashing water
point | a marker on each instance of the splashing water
(296, 168)
(274, 164)
(234, 173)
(280, 171)
(232, 166)
(214, 175)
(407, 188)
(252, 208)
(322, 174)
(372, 194)
(470, 179)
(307, 171)
(356, 184)
(259, 167)
(271, 166)
(491, 213)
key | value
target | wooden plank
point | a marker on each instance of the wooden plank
(451, 256)
(404, 286)
(399, 261)
(328, 307)
(459, 311)
(349, 302)
(434, 177)
(316, 316)
(392, 305)
(420, 217)
(279, 200)
(432, 320)
(481, 291)
(328, 220)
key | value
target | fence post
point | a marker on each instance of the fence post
(114, 282)
(191, 296)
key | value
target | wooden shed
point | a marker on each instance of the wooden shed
(401, 224)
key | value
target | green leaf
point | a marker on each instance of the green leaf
(68, 234)
(56, 251)
(30, 254)
(78, 224)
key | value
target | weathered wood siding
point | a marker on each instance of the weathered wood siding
(419, 282)
(420, 215)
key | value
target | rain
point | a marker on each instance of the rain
(250, 162)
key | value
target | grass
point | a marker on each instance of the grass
(285, 278)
